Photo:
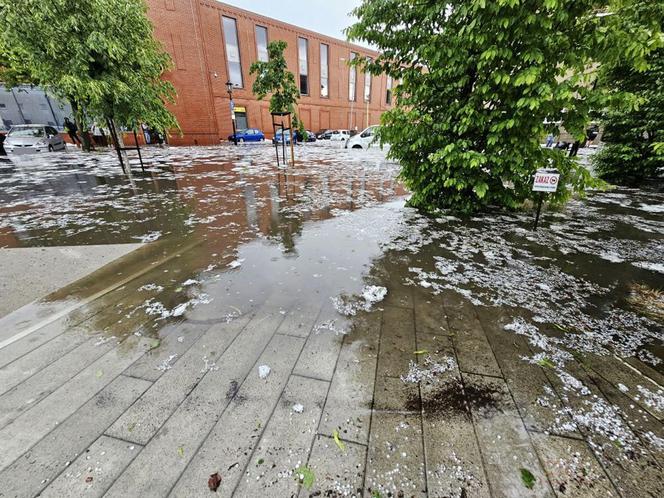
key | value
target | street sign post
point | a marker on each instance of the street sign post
(546, 181)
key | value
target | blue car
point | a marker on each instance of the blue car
(248, 135)
(281, 134)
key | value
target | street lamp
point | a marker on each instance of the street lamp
(229, 87)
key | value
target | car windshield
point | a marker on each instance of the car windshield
(241, 132)
(26, 132)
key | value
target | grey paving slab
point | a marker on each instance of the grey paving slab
(349, 401)
(41, 384)
(174, 341)
(142, 421)
(95, 469)
(41, 357)
(159, 465)
(395, 461)
(646, 370)
(633, 472)
(336, 474)
(43, 336)
(397, 342)
(504, 441)
(286, 442)
(239, 429)
(628, 380)
(473, 350)
(644, 425)
(453, 458)
(526, 381)
(35, 423)
(47, 459)
(319, 357)
(301, 318)
(572, 467)
(42, 270)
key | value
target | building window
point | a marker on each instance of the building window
(261, 43)
(303, 47)
(232, 52)
(352, 79)
(388, 95)
(367, 84)
(324, 70)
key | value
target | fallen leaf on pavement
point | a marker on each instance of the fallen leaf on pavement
(214, 481)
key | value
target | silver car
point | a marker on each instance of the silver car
(32, 139)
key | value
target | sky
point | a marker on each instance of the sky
(328, 17)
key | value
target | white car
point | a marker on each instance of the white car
(365, 139)
(32, 139)
(340, 135)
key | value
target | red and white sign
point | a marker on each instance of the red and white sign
(546, 181)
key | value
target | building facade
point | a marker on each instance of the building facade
(212, 43)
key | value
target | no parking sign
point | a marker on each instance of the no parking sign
(546, 180)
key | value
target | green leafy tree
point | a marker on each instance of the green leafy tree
(273, 77)
(100, 55)
(634, 134)
(634, 119)
(482, 81)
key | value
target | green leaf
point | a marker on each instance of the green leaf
(545, 362)
(339, 442)
(527, 478)
(181, 451)
(421, 351)
(305, 476)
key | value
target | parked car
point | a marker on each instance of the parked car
(324, 134)
(33, 138)
(311, 136)
(339, 135)
(248, 135)
(364, 140)
(281, 135)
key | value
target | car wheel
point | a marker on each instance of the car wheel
(357, 146)
(241, 140)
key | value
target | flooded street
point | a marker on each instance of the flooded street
(300, 332)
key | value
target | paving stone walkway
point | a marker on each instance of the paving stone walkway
(84, 415)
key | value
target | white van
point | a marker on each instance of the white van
(339, 135)
(365, 139)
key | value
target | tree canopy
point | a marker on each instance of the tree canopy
(481, 82)
(100, 55)
(273, 77)
(634, 119)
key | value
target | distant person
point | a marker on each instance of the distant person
(72, 131)
(146, 133)
(549, 140)
(575, 149)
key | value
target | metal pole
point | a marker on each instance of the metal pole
(539, 209)
(292, 139)
(276, 144)
(138, 149)
(232, 104)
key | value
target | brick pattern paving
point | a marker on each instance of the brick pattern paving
(84, 417)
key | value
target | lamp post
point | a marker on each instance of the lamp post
(229, 87)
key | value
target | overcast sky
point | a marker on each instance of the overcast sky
(328, 17)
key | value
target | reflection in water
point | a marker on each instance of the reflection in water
(509, 332)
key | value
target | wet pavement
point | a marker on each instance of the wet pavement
(300, 332)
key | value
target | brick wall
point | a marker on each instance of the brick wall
(191, 32)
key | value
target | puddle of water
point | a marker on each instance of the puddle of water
(230, 231)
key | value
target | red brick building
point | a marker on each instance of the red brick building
(212, 43)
